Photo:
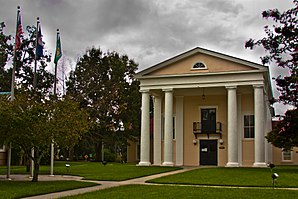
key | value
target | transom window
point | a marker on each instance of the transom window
(199, 65)
(249, 126)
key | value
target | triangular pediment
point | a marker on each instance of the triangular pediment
(211, 62)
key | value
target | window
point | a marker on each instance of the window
(287, 156)
(199, 65)
(249, 126)
(174, 128)
(2, 148)
(138, 150)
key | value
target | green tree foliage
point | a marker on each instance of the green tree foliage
(34, 118)
(24, 61)
(281, 43)
(284, 135)
(104, 85)
(29, 123)
(6, 51)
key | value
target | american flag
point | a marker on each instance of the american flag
(19, 31)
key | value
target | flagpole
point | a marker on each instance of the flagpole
(12, 97)
(34, 88)
(55, 93)
(55, 83)
(35, 58)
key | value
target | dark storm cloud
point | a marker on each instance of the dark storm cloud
(147, 31)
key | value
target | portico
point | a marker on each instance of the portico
(208, 108)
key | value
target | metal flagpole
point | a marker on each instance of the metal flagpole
(12, 97)
(35, 58)
(55, 92)
(34, 87)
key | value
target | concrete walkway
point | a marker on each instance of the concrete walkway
(103, 184)
(109, 184)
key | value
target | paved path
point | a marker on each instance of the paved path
(109, 184)
(103, 184)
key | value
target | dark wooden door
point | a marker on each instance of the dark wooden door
(208, 152)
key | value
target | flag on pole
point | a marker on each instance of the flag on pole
(39, 43)
(58, 53)
(19, 30)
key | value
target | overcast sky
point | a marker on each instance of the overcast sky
(148, 31)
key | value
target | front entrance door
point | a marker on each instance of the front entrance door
(208, 152)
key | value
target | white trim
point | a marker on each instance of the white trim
(201, 74)
(202, 80)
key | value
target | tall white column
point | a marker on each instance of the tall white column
(239, 128)
(179, 130)
(145, 130)
(232, 128)
(157, 130)
(259, 126)
(168, 139)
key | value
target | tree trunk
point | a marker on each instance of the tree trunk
(36, 160)
(70, 154)
(98, 152)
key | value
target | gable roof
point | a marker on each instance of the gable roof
(202, 51)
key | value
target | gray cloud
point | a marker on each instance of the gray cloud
(147, 31)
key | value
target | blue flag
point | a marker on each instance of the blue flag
(39, 45)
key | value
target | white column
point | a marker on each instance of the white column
(239, 128)
(145, 130)
(168, 139)
(157, 130)
(179, 130)
(232, 128)
(259, 126)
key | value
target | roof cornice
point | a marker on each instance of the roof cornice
(203, 51)
(264, 70)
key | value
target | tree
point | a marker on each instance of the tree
(29, 123)
(25, 57)
(284, 135)
(281, 44)
(104, 85)
(6, 50)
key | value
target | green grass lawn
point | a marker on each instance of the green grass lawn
(15, 189)
(147, 191)
(252, 177)
(96, 171)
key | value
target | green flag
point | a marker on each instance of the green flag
(58, 53)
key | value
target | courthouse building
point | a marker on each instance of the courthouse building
(208, 109)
